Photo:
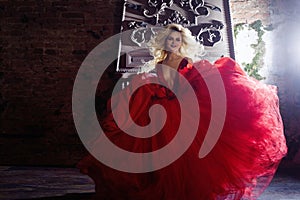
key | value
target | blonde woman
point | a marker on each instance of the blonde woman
(173, 43)
(246, 151)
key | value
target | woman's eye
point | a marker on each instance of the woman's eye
(178, 40)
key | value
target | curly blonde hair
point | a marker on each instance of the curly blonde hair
(158, 50)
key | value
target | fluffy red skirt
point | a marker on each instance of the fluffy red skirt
(241, 163)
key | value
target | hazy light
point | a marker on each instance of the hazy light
(244, 53)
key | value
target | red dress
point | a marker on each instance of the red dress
(241, 163)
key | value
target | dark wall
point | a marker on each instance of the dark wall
(42, 45)
(287, 64)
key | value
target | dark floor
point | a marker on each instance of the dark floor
(44, 183)
(68, 184)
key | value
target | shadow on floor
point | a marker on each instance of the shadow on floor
(75, 196)
(291, 172)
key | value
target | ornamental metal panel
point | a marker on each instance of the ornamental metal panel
(208, 20)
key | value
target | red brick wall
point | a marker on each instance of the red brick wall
(42, 45)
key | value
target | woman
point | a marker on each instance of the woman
(241, 157)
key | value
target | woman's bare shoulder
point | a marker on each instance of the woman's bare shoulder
(190, 61)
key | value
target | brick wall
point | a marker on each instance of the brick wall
(248, 11)
(42, 45)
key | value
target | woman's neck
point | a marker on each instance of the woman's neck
(173, 60)
(173, 56)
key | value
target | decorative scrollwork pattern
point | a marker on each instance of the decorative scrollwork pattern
(207, 20)
(162, 12)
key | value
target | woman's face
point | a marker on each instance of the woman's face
(173, 42)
